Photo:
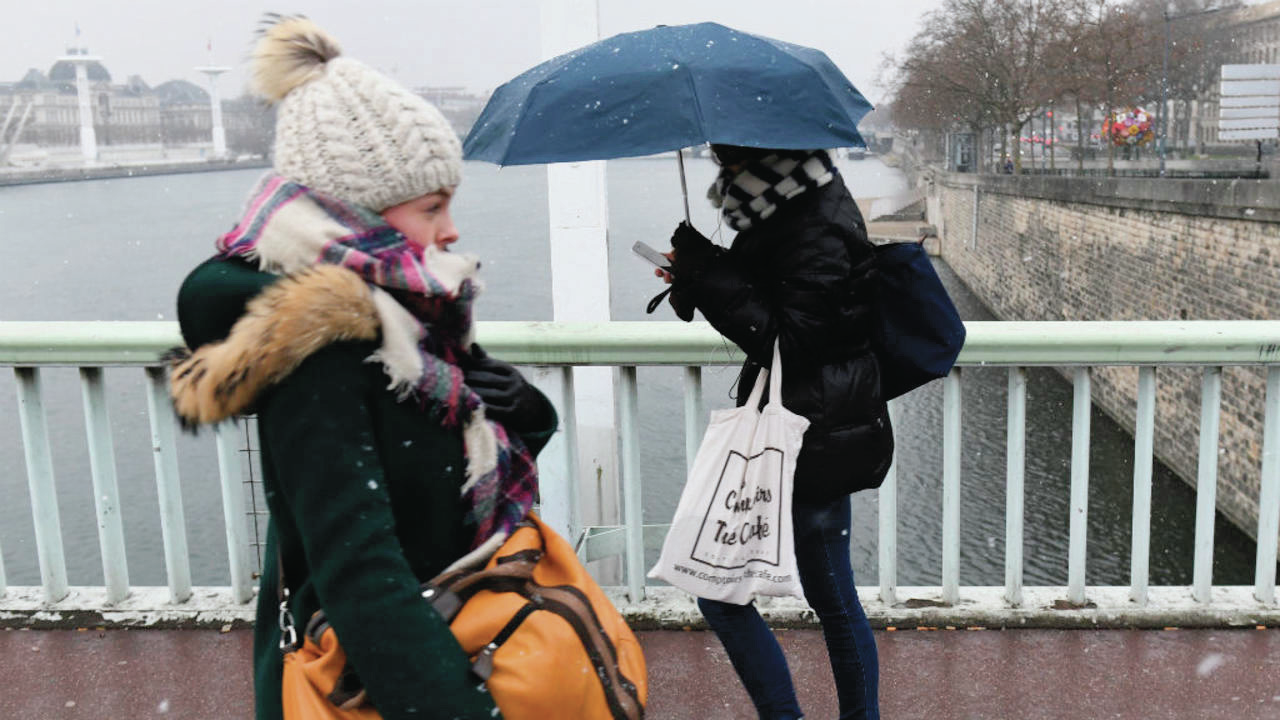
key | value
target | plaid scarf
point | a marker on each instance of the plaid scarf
(424, 300)
(755, 192)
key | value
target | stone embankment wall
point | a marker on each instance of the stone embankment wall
(10, 176)
(1131, 249)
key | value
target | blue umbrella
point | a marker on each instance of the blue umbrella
(668, 88)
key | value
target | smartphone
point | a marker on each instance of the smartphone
(658, 259)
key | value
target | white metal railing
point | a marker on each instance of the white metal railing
(557, 348)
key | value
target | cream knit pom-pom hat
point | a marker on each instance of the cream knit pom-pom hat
(345, 129)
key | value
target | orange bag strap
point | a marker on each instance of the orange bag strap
(513, 573)
(575, 609)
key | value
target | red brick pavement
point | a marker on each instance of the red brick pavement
(1176, 674)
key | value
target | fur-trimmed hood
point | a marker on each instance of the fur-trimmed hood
(285, 324)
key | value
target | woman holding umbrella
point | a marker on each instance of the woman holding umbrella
(799, 271)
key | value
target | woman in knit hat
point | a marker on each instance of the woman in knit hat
(392, 447)
(799, 270)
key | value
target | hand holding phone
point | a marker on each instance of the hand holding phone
(659, 260)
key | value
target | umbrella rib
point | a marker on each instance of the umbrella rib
(818, 74)
(528, 101)
(697, 106)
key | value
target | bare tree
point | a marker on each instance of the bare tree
(1072, 76)
(978, 63)
(1120, 55)
(1200, 41)
(984, 64)
(932, 92)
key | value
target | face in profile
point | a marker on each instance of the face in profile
(425, 220)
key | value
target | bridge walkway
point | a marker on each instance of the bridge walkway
(936, 674)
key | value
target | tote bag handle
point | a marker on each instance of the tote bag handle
(775, 387)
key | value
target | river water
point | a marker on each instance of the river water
(118, 249)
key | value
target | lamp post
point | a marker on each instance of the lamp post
(1052, 137)
(1163, 114)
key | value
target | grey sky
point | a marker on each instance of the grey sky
(475, 43)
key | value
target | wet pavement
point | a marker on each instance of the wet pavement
(936, 674)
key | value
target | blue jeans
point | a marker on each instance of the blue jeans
(822, 554)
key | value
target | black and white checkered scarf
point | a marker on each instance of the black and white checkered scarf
(755, 192)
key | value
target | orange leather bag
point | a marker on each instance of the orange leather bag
(540, 632)
(314, 679)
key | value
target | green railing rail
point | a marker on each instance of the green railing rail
(30, 346)
(1236, 342)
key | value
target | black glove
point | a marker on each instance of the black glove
(508, 397)
(681, 299)
(693, 251)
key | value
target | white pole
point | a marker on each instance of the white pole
(1264, 588)
(44, 496)
(88, 140)
(1015, 484)
(578, 212)
(106, 491)
(558, 463)
(631, 483)
(694, 414)
(951, 466)
(1207, 482)
(1079, 522)
(215, 109)
(173, 525)
(1143, 462)
(888, 521)
(233, 514)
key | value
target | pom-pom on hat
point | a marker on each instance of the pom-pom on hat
(345, 129)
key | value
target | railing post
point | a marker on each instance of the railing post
(1015, 486)
(1207, 483)
(173, 526)
(888, 524)
(633, 515)
(1264, 583)
(693, 414)
(558, 463)
(233, 510)
(571, 445)
(1143, 458)
(951, 487)
(44, 496)
(1081, 406)
(106, 493)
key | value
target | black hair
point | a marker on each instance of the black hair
(738, 154)
(742, 155)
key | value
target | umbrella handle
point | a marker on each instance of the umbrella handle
(684, 189)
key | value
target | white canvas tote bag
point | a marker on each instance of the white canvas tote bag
(731, 538)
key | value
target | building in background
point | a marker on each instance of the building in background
(1251, 35)
(137, 122)
(459, 107)
(132, 121)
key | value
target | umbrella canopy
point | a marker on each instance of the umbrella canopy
(667, 88)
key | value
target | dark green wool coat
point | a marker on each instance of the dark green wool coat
(364, 498)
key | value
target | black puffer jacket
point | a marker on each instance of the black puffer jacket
(804, 275)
